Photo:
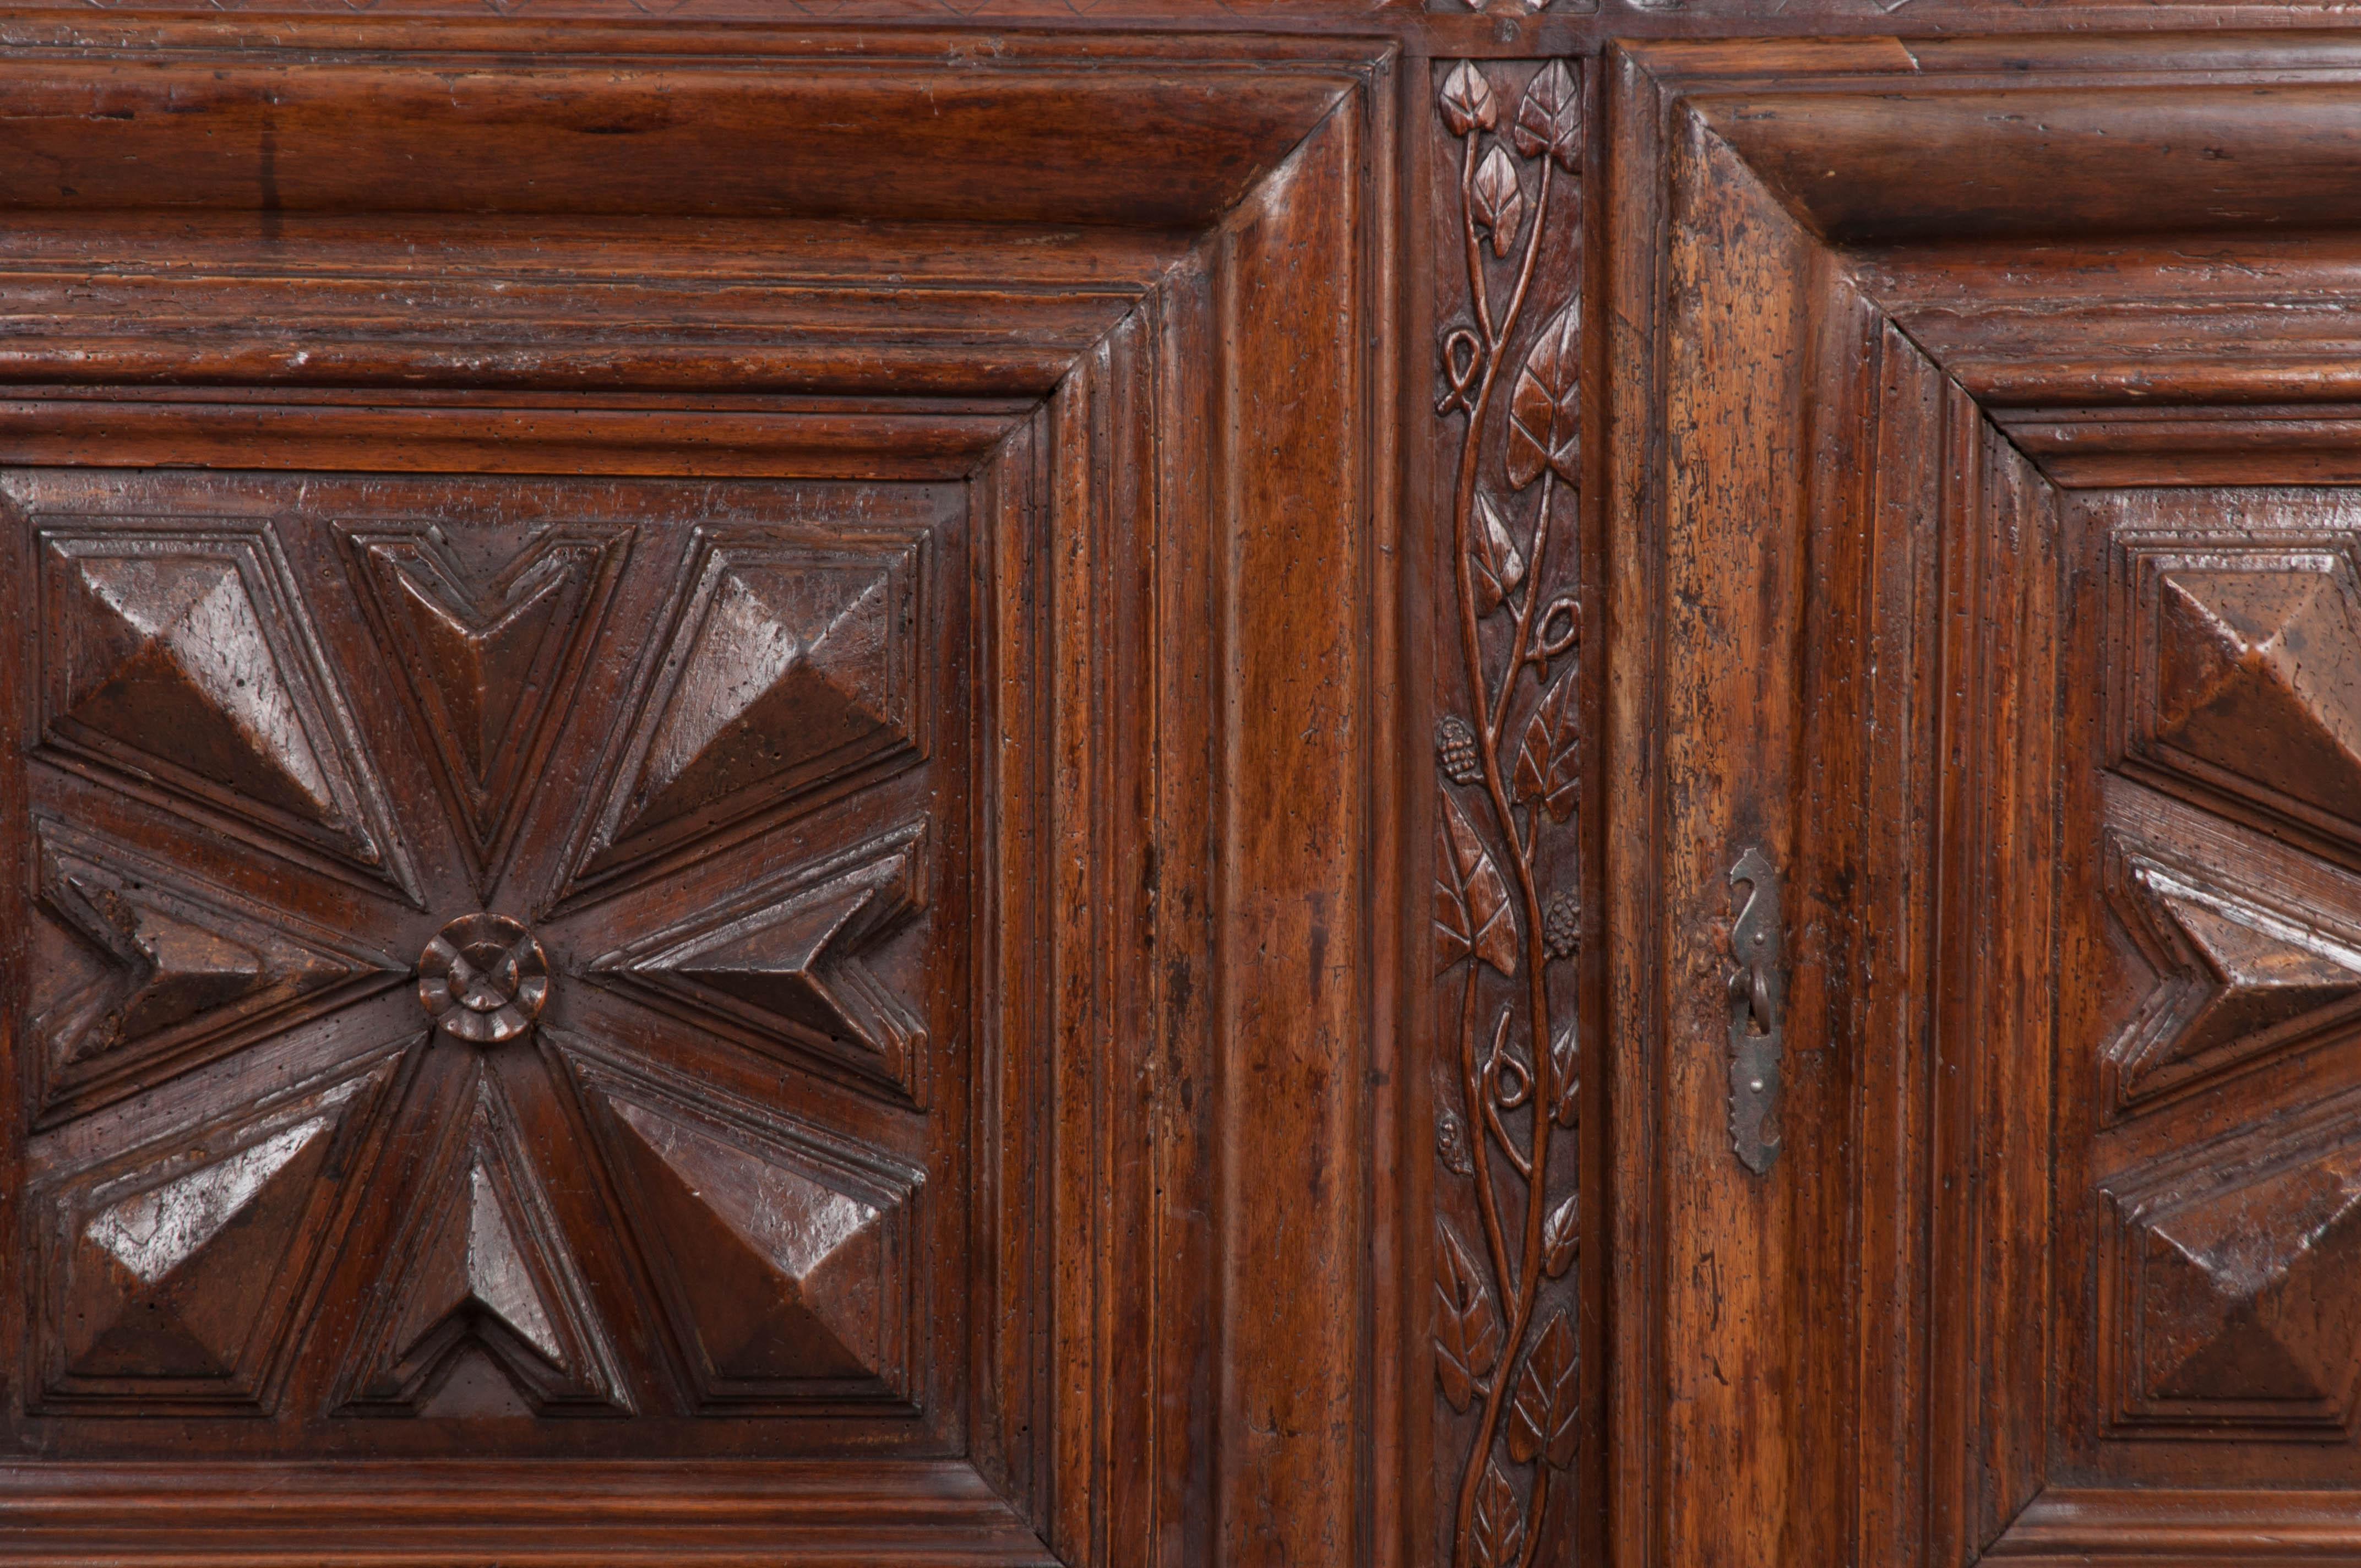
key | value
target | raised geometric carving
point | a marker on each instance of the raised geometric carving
(173, 1281)
(2237, 1311)
(184, 661)
(2245, 666)
(482, 1309)
(779, 1260)
(483, 979)
(789, 664)
(491, 661)
(186, 969)
(2242, 975)
(785, 959)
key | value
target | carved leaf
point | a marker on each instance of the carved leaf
(1499, 567)
(1541, 1420)
(1550, 118)
(1451, 1144)
(1497, 201)
(1499, 1524)
(1545, 412)
(1467, 103)
(1561, 1237)
(1565, 1073)
(1547, 761)
(1471, 901)
(1466, 1326)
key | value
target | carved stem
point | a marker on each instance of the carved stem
(1483, 300)
(1496, 1240)
(1534, 1516)
(1520, 640)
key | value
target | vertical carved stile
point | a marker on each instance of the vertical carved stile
(1508, 914)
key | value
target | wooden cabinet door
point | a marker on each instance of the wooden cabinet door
(1994, 572)
(1165, 782)
(676, 896)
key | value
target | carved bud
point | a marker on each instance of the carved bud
(1499, 566)
(1454, 749)
(1549, 119)
(1451, 1144)
(1562, 1238)
(1498, 199)
(1467, 103)
(1562, 924)
(1565, 1076)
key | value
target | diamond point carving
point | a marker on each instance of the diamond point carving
(182, 665)
(468, 1226)
(2241, 978)
(778, 1259)
(785, 961)
(2242, 681)
(491, 660)
(2231, 1304)
(187, 969)
(482, 1276)
(789, 670)
(175, 1282)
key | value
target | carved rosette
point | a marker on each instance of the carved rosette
(1507, 912)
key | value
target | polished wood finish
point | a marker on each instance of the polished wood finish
(974, 782)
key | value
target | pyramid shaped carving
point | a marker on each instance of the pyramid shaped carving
(175, 1283)
(185, 969)
(787, 668)
(482, 1280)
(2247, 1297)
(490, 662)
(779, 1268)
(183, 663)
(2240, 978)
(786, 961)
(2259, 674)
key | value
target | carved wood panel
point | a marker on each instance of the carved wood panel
(2222, 1031)
(489, 943)
(1982, 565)
(1509, 164)
(702, 771)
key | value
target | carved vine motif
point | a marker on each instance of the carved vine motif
(1508, 750)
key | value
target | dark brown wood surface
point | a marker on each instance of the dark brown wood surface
(959, 782)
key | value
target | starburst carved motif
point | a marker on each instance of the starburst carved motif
(190, 668)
